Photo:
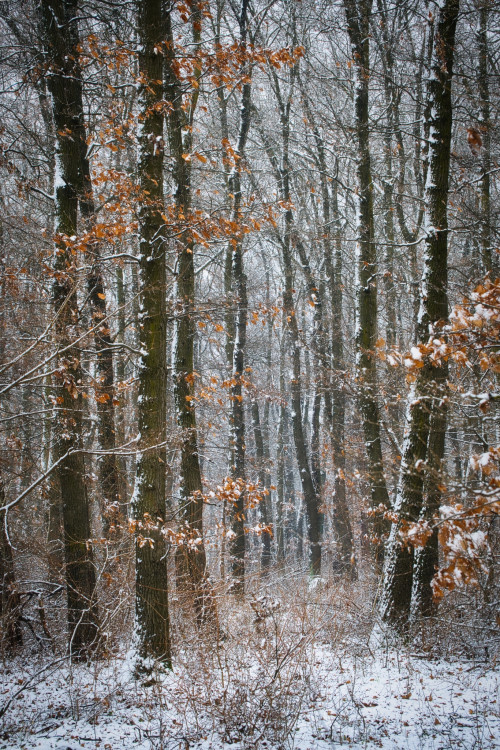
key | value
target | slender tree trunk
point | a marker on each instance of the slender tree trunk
(358, 20)
(10, 628)
(238, 327)
(264, 507)
(105, 382)
(342, 520)
(424, 443)
(152, 614)
(281, 449)
(485, 135)
(191, 558)
(311, 498)
(58, 19)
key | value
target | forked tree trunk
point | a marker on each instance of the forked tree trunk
(311, 498)
(418, 492)
(282, 174)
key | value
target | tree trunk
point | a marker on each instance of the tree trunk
(424, 444)
(10, 634)
(58, 19)
(191, 558)
(485, 135)
(290, 237)
(239, 324)
(311, 498)
(152, 614)
(105, 382)
(358, 20)
(263, 474)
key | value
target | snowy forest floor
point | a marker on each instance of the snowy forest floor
(307, 672)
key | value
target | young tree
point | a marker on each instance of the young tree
(239, 325)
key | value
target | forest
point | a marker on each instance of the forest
(249, 374)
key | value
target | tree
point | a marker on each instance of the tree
(191, 558)
(406, 580)
(358, 24)
(152, 614)
(58, 24)
(11, 634)
(239, 324)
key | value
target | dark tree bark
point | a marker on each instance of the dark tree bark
(358, 22)
(191, 558)
(10, 627)
(262, 458)
(58, 25)
(152, 614)
(424, 444)
(236, 347)
(486, 125)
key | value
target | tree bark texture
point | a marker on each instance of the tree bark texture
(152, 614)
(58, 21)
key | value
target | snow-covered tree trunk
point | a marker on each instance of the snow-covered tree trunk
(265, 510)
(238, 325)
(311, 498)
(426, 413)
(485, 136)
(337, 410)
(105, 379)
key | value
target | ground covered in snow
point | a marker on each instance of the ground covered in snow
(303, 677)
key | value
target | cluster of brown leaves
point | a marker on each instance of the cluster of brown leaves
(231, 490)
(464, 543)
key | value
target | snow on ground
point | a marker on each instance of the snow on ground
(322, 698)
